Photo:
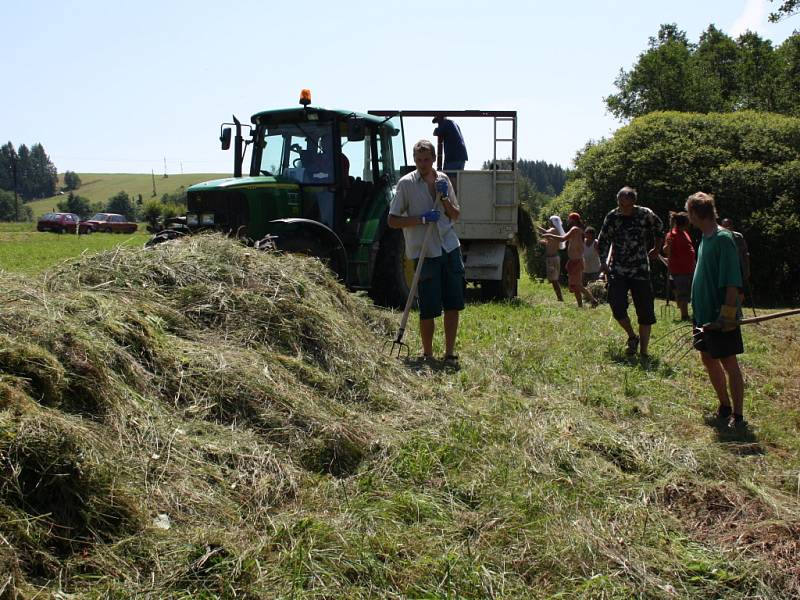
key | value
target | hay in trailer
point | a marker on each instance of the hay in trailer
(152, 399)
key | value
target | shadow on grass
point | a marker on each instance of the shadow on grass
(739, 439)
(435, 365)
(645, 363)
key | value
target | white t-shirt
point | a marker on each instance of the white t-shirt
(412, 198)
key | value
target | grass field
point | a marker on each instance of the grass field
(294, 461)
(25, 250)
(99, 187)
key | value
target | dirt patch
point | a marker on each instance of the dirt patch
(742, 523)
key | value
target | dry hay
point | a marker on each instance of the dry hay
(741, 523)
(598, 289)
(198, 379)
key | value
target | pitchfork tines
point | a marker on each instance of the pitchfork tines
(397, 347)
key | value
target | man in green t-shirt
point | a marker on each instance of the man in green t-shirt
(715, 305)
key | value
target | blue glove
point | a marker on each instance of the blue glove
(431, 216)
(442, 187)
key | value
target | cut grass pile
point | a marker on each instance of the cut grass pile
(202, 420)
(202, 381)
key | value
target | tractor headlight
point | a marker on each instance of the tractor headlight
(207, 219)
(191, 219)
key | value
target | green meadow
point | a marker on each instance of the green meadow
(99, 187)
(25, 250)
(252, 439)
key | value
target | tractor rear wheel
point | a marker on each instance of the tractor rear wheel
(391, 280)
(506, 287)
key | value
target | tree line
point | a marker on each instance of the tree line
(27, 171)
(749, 160)
(716, 74)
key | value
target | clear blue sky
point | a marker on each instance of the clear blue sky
(119, 86)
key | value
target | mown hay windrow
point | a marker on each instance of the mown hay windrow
(198, 379)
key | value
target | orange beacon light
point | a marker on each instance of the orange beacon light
(305, 96)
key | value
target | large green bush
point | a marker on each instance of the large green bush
(750, 161)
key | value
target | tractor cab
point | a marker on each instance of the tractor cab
(319, 182)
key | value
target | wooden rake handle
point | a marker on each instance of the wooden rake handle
(414, 282)
(751, 320)
(777, 315)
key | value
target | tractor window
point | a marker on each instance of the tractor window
(387, 165)
(359, 156)
(302, 153)
(398, 158)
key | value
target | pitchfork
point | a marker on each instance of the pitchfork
(668, 310)
(398, 346)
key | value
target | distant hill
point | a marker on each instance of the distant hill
(99, 187)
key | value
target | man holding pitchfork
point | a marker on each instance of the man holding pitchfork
(417, 201)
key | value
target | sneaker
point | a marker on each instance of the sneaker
(724, 412)
(633, 345)
(737, 422)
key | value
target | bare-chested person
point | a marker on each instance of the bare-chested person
(575, 249)
(552, 259)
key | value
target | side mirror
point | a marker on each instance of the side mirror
(225, 138)
(355, 130)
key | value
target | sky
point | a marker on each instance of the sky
(130, 87)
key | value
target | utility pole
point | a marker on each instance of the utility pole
(165, 168)
(153, 173)
(14, 177)
(181, 167)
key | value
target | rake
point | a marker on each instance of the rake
(676, 346)
(668, 310)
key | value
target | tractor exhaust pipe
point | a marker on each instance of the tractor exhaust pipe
(237, 149)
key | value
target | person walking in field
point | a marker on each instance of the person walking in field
(716, 309)
(575, 250)
(441, 284)
(625, 230)
(679, 250)
(551, 258)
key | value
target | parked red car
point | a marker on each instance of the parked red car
(58, 222)
(108, 223)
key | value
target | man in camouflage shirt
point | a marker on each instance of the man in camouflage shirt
(626, 229)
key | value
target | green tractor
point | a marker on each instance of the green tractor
(320, 182)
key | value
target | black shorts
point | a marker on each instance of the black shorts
(643, 298)
(719, 344)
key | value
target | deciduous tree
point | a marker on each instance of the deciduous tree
(121, 204)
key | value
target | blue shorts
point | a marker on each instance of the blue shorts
(441, 284)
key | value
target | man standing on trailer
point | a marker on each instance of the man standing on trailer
(455, 150)
(441, 283)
